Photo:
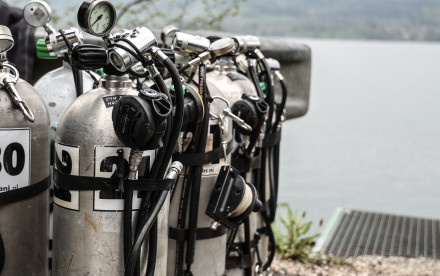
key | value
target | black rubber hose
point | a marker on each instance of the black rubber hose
(282, 105)
(178, 114)
(139, 55)
(183, 68)
(152, 250)
(77, 74)
(156, 206)
(277, 170)
(269, 95)
(128, 207)
(271, 241)
(158, 80)
(182, 219)
(79, 82)
(138, 75)
(140, 237)
(256, 82)
(273, 189)
(2, 254)
(195, 189)
(247, 245)
(191, 77)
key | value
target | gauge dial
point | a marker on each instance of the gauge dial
(97, 17)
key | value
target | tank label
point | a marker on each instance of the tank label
(214, 141)
(67, 162)
(106, 160)
(110, 101)
(15, 156)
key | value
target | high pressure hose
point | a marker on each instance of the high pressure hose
(282, 105)
(274, 152)
(77, 74)
(254, 77)
(197, 172)
(149, 219)
(266, 152)
(271, 236)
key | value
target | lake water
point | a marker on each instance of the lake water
(371, 138)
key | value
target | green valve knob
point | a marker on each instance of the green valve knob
(42, 52)
(183, 88)
(100, 71)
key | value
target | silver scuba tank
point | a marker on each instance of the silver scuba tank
(234, 85)
(24, 172)
(57, 88)
(88, 228)
(210, 247)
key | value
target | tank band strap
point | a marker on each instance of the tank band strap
(272, 139)
(25, 192)
(89, 183)
(200, 159)
(201, 233)
(243, 164)
(242, 261)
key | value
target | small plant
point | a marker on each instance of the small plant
(294, 242)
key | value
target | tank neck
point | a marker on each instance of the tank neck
(66, 65)
(115, 82)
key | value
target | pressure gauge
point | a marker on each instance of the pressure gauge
(167, 35)
(97, 17)
(222, 46)
(6, 39)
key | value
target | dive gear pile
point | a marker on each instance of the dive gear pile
(167, 166)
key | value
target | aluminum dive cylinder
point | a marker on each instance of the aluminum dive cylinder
(210, 245)
(57, 88)
(234, 85)
(88, 225)
(24, 172)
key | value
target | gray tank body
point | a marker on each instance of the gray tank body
(233, 85)
(88, 229)
(209, 258)
(24, 224)
(57, 88)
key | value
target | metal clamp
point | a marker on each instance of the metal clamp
(10, 87)
(227, 112)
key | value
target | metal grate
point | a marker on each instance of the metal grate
(351, 233)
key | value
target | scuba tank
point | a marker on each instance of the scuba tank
(58, 88)
(193, 246)
(239, 254)
(61, 86)
(105, 140)
(196, 221)
(263, 161)
(24, 172)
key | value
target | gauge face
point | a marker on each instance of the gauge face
(101, 18)
(97, 17)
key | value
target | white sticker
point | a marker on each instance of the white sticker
(106, 160)
(15, 159)
(67, 162)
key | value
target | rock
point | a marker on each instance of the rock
(360, 266)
